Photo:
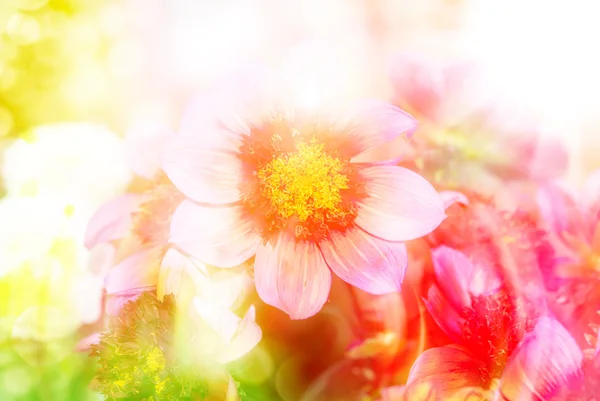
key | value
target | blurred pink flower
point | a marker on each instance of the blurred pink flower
(139, 224)
(502, 342)
(574, 228)
(273, 181)
(465, 139)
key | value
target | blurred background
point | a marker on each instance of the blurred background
(78, 76)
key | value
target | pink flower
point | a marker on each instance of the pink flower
(467, 140)
(138, 225)
(268, 180)
(574, 229)
(502, 343)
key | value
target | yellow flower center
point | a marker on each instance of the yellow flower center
(305, 184)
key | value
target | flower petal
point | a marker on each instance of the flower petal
(204, 164)
(136, 271)
(449, 198)
(144, 142)
(449, 369)
(112, 221)
(558, 210)
(442, 312)
(372, 123)
(547, 359)
(247, 336)
(174, 268)
(418, 86)
(401, 205)
(292, 276)
(114, 302)
(219, 236)
(590, 196)
(453, 273)
(366, 262)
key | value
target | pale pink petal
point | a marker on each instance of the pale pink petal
(453, 273)
(222, 321)
(112, 221)
(366, 262)
(373, 123)
(85, 344)
(138, 270)
(101, 259)
(449, 198)
(418, 86)
(219, 236)
(172, 272)
(204, 164)
(547, 359)
(242, 99)
(246, 337)
(116, 301)
(558, 210)
(400, 205)
(444, 315)
(550, 159)
(449, 369)
(292, 276)
(144, 143)
(590, 196)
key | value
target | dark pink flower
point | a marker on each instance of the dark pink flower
(502, 343)
(574, 227)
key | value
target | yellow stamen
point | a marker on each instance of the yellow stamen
(305, 184)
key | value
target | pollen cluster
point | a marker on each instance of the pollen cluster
(305, 184)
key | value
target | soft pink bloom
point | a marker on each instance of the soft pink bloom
(267, 180)
(466, 139)
(502, 343)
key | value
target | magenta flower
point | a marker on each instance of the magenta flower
(574, 228)
(502, 343)
(271, 181)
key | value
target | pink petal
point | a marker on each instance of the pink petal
(246, 337)
(204, 164)
(86, 343)
(242, 99)
(558, 210)
(292, 276)
(401, 205)
(171, 273)
(590, 196)
(138, 270)
(444, 315)
(418, 86)
(373, 123)
(366, 262)
(116, 301)
(547, 359)
(112, 221)
(219, 236)
(453, 272)
(144, 143)
(550, 159)
(449, 369)
(449, 198)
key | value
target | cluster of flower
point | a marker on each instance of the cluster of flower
(426, 254)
